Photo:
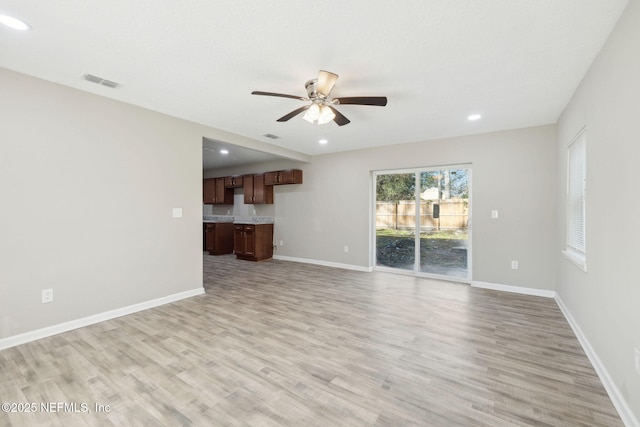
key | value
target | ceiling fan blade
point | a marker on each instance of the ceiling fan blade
(281, 95)
(293, 113)
(340, 119)
(362, 100)
(326, 81)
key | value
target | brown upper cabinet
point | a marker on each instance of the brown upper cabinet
(256, 191)
(233, 181)
(208, 191)
(214, 192)
(290, 176)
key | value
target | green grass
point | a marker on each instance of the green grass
(442, 234)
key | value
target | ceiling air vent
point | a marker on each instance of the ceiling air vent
(99, 80)
(270, 135)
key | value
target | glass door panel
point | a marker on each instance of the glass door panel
(395, 221)
(444, 222)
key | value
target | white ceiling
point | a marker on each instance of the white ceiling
(515, 62)
(218, 154)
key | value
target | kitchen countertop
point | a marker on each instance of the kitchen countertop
(217, 218)
(253, 220)
(238, 219)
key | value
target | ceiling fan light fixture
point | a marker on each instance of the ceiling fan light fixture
(321, 109)
(326, 115)
(319, 114)
(325, 83)
(313, 113)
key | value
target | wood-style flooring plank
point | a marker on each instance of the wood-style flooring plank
(280, 343)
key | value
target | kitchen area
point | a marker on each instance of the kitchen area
(240, 231)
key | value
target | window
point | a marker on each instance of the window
(576, 206)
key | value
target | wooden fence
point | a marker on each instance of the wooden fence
(454, 214)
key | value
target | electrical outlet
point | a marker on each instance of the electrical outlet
(47, 295)
(346, 248)
(637, 360)
(514, 265)
(177, 212)
(494, 214)
(281, 242)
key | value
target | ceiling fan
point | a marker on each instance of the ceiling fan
(321, 109)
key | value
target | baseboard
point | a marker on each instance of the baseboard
(96, 318)
(621, 405)
(514, 289)
(324, 263)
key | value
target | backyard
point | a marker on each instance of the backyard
(441, 252)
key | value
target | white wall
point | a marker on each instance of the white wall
(605, 300)
(513, 171)
(87, 187)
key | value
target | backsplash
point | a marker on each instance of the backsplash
(239, 209)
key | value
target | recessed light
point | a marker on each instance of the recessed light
(223, 151)
(473, 117)
(322, 141)
(14, 23)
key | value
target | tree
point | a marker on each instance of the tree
(395, 187)
(460, 183)
(451, 183)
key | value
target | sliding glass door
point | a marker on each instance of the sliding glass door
(395, 220)
(422, 220)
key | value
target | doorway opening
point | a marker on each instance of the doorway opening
(422, 222)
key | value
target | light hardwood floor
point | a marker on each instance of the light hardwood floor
(281, 343)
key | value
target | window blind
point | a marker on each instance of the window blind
(576, 194)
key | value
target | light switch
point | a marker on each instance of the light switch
(177, 212)
(47, 295)
(494, 214)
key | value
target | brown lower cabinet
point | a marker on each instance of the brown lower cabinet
(218, 237)
(253, 242)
